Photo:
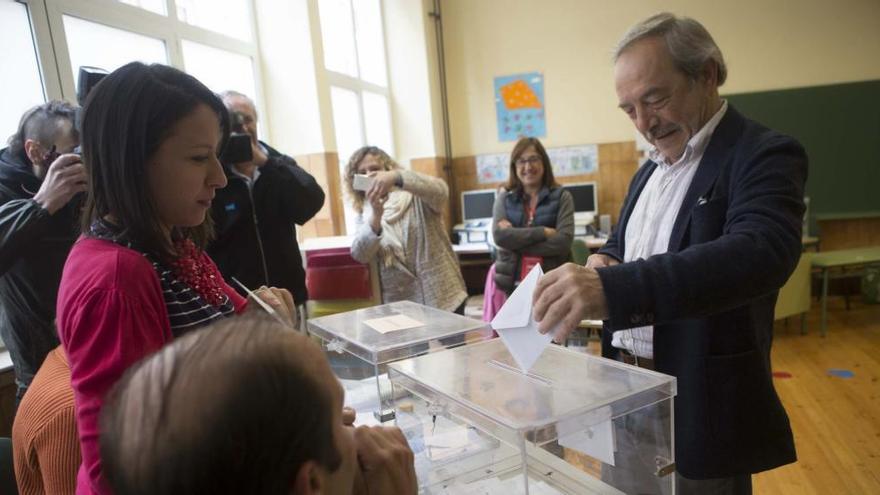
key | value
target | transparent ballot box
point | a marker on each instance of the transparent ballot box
(575, 424)
(362, 342)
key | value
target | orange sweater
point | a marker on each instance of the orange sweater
(44, 440)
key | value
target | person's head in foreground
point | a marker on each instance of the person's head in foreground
(243, 407)
(667, 72)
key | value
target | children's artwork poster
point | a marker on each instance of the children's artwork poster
(574, 160)
(566, 161)
(519, 104)
(492, 168)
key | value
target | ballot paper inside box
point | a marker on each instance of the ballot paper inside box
(359, 345)
(574, 423)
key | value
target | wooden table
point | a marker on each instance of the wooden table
(810, 242)
(593, 242)
(829, 260)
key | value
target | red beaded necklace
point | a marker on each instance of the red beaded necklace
(192, 268)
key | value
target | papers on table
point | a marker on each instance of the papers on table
(392, 323)
(516, 326)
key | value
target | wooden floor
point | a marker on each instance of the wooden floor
(836, 421)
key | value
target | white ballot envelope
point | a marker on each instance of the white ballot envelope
(516, 326)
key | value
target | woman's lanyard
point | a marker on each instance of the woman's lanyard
(530, 211)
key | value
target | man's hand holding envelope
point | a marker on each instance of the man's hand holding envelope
(546, 306)
(565, 296)
(516, 325)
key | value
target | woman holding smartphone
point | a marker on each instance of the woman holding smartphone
(404, 229)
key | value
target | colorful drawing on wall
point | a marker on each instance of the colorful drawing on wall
(566, 161)
(492, 168)
(519, 104)
(574, 160)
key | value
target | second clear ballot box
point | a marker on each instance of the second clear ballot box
(362, 342)
(574, 424)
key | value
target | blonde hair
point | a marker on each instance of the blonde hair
(357, 197)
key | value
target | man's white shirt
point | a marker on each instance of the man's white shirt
(650, 224)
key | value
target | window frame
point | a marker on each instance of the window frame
(47, 25)
(356, 84)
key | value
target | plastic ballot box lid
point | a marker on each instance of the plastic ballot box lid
(390, 332)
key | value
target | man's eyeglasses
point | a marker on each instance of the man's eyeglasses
(532, 160)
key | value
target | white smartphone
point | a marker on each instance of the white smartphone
(362, 182)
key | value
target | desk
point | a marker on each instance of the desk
(810, 242)
(595, 243)
(474, 260)
(849, 230)
(316, 243)
(828, 260)
(471, 248)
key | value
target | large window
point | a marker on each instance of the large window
(157, 6)
(354, 58)
(211, 39)
(96, 45)
(21, 86)
(219, 69)
(230, 17)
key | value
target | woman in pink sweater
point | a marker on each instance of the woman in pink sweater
(138, 278)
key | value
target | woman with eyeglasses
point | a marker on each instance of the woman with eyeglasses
(533, 217)
(404, 229)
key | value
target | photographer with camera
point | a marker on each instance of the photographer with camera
(40, 178)
(256, 214)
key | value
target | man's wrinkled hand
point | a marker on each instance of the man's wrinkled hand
(600, 261)
(567, 295)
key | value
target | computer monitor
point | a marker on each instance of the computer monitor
(584, 195)
(477, 205)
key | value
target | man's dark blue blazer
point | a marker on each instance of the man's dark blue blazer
(710, 298)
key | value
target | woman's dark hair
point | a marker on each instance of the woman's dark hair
(170, 426)
(547, 180)
(43, 123)
(125, 119)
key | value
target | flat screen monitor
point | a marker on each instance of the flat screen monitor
(584, 195)
(476, 205)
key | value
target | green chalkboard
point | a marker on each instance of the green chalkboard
(839, 125)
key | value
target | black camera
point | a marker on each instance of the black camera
(89, 77)
(238, 147)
